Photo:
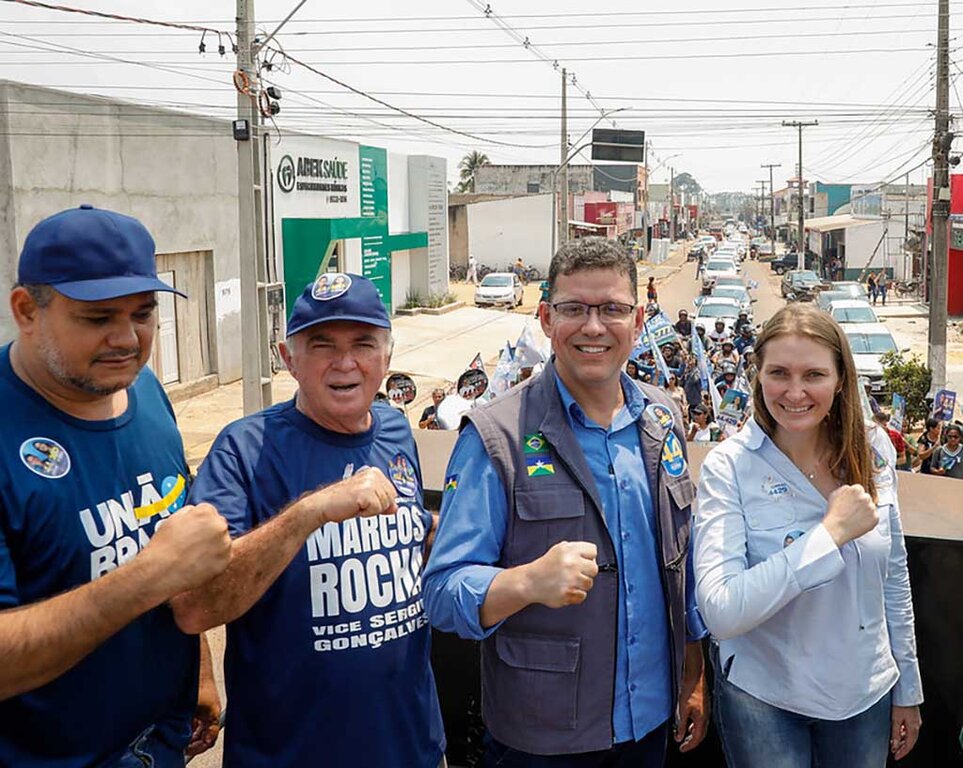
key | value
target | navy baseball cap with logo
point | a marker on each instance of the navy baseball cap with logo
(90, 254)
(338, 296)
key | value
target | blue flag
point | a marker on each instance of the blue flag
(662, 365)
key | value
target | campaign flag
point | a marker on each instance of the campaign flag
(899, 413)
(700, 354)
(661, 329)
(532, 348)
(732, 408)
(944, 404)
(506, 373)
(659, 360)
(476, 364)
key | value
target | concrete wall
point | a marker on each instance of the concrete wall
(176, 173)
(502, 230)
(860, 242)
(514, 179)
(458, 235)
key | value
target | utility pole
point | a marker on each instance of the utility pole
(906, 212)
(942, 139)
(772, 206)
(801, 257)
(671, 204)
(762, 196)
(255, 361)
(563, 163)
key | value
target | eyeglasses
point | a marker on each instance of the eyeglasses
(608, 312)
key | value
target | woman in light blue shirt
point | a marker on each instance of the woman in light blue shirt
(801, 567)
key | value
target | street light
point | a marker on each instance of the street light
(563, 219)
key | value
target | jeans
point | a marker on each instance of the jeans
(149, 751)
(758, 735)
(649, 752)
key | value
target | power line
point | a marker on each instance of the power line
(400, 110)
(664, 57)
(577, 14)
(576, 43)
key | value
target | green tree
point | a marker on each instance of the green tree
(466, 170)
(686, 183)
(909, 377)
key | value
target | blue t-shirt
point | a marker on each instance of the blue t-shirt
(77, 499)
(331, 666)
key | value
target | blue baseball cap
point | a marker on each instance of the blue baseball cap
(90, 254)
(338, 296)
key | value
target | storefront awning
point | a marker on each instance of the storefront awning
(843, 221)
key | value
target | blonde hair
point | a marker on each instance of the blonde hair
(850, 459)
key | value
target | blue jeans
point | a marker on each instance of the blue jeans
(758, 735)
(150, 751)
(649, 752)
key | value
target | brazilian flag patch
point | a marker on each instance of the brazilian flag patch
(536, 443)
(539, 466)
(451, 483)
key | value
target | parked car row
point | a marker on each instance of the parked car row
(869, 339)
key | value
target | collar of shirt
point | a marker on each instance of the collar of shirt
(631, 410)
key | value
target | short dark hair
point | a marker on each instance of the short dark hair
(932, 422)
(587, 253)
(954, 427)
(41, 293)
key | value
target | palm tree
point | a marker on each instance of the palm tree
(467, 167)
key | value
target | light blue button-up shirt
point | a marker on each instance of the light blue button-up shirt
(471, 534)
(802, 624)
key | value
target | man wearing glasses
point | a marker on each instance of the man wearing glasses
(564, 539)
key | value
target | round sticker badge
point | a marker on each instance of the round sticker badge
(45, 457)
(331, 285)
(403, 476)
(791, 537)
(661, 414)
(673, 462)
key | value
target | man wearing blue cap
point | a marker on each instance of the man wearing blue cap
(327, 660)
(94, 669)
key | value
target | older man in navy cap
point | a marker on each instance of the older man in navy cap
(327, 659)
(94, 670)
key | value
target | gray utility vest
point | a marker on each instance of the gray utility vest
(548, 674)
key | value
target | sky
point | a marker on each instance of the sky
(709, 81)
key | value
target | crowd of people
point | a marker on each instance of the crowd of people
(567, 543)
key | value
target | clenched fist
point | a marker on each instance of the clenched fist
(563, 575)
(851, 513)
(364, 494)
(190, 548)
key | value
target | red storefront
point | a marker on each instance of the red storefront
(954, 292)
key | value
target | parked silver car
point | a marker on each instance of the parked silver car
(499, 289)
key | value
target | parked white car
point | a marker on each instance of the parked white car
(869, 342)
(499, 289)
(852, 311)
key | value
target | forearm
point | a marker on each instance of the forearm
(510, 592)
(39, 642)
(257, 559)
(206, 680)
(694, 662)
